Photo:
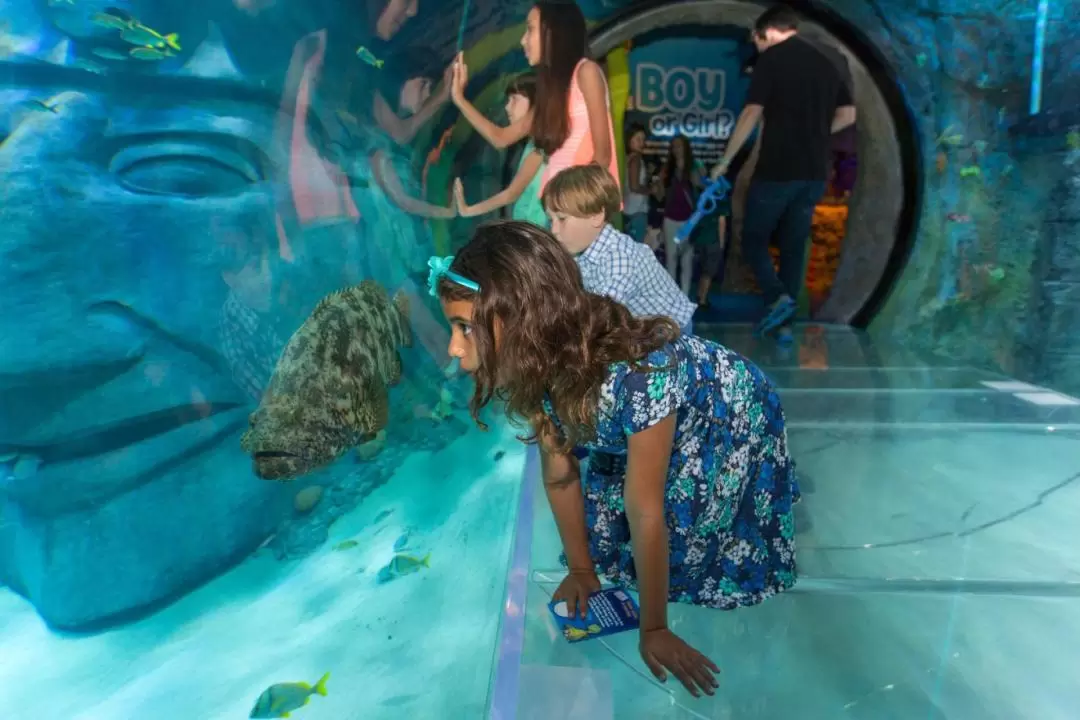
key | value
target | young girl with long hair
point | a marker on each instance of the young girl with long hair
(681, 178)
(689, 488)
(524, 190)
(636, 200)
(570, 122)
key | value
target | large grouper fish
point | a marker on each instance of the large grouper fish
(330, 387)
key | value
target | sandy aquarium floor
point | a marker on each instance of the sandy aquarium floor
(419, 646)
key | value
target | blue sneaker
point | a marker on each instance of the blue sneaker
(781, 311)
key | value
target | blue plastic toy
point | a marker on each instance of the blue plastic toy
(706, 204)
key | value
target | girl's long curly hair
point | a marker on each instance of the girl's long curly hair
(537, 331)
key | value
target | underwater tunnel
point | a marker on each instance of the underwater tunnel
(239, 472)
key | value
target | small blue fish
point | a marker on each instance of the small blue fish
(277, 701)
(369, 57)
(401, 542)
(403, 565)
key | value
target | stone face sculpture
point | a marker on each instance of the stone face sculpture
(145, 297)
(113, 380)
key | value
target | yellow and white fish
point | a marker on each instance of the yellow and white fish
(138, 34)
(277, 701)
(403, 565)
(151, 53)
(112, 18)
(134, 32)
(369, 57)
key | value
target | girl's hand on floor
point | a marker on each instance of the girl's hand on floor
(575, 589)
(663, 649)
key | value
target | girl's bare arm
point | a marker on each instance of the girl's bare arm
(633, 172)
(594, 88)
(562, 483)
(525, 174)
(387, 179)
(648, 457)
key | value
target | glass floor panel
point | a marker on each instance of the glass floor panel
(899, 378)
(939, 568)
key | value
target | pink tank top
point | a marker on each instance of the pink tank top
(578, 148)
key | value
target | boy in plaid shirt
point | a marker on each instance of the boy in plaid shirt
(580, 202)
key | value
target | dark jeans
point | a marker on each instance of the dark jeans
(784, 211)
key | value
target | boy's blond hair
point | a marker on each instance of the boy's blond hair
(582, 191)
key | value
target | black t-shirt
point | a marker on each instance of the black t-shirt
(800, 86)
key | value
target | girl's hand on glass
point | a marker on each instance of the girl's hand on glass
(575, 589)
(460, 78)
(459, 198)
(663, 650)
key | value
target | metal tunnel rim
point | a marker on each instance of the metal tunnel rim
(885, 206)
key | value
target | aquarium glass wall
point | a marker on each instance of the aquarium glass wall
(239, 476)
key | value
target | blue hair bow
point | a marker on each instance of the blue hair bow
(440, 267)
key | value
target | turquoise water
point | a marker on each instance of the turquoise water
(174, 210)
(169, 221)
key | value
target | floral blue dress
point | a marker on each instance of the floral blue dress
(730, 484)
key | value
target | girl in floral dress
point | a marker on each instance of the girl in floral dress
(688, 491)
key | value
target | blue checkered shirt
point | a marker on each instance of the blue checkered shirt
(625, 270)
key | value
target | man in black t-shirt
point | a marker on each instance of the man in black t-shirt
(801, 93)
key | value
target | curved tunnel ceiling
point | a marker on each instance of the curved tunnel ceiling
(883, 203)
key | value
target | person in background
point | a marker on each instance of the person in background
(803, 98)
(379, 71)
(688, 491)
(581, 202)
(413, 96)
(524, 189)
(654, 236)
(711, 239)
(365, 73)
(397, 111)
(636, 199)
(570, 121)
(681, 178)
(328, 82)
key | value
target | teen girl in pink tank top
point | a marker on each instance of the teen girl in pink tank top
(571, 119)
(579, 147)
